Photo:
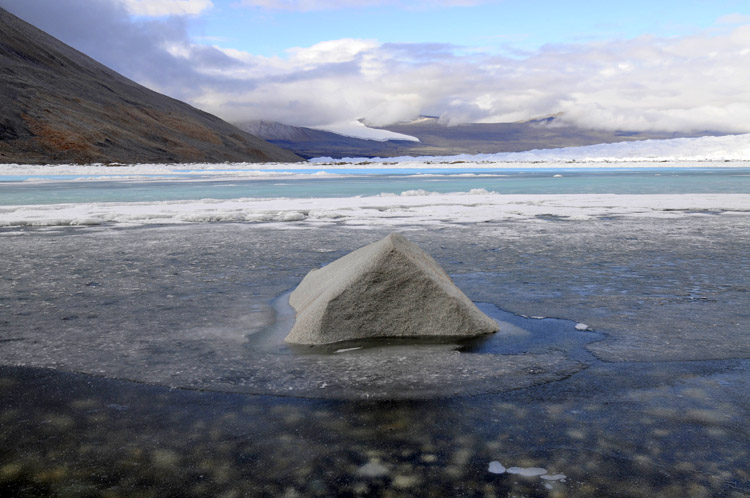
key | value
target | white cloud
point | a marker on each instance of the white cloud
(309, 5)
(690, 83)
(158, 8)
(331, 52)
(673, 84)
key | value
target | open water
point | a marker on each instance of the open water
(192, 185)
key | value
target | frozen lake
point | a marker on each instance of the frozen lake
(129, 359)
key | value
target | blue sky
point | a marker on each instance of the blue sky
(500, 25)
(636, 65)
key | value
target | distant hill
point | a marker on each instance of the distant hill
(308, 142)
(437, 139)
(60, 106)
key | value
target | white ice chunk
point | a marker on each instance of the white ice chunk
(582, 326)
(496, 467)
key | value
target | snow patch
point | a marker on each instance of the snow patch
(357, 129)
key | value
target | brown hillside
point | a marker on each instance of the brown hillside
(58, 105)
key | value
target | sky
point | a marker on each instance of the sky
(667, 65)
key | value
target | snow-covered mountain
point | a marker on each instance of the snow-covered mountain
(698, 149)
(427, 136)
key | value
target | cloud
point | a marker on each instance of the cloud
(690, 83)
(310, 5)
(673, 84)
(145, 50)
(157, 8)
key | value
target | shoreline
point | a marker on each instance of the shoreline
(367, 164)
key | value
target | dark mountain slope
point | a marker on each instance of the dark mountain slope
(58, 105)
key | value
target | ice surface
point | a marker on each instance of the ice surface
(412, 208)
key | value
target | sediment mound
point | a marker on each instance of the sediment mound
(390, 288)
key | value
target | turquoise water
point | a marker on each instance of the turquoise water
(184, 185)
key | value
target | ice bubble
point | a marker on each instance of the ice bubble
(527, 471)
(372, 469)
(496, 467)
(553, 477)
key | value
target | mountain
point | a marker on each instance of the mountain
(437, 139)
(60, 106)
(488, 138)
(309, 142)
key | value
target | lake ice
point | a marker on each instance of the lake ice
(660, 280)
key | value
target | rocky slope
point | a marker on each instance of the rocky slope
(60, 106)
